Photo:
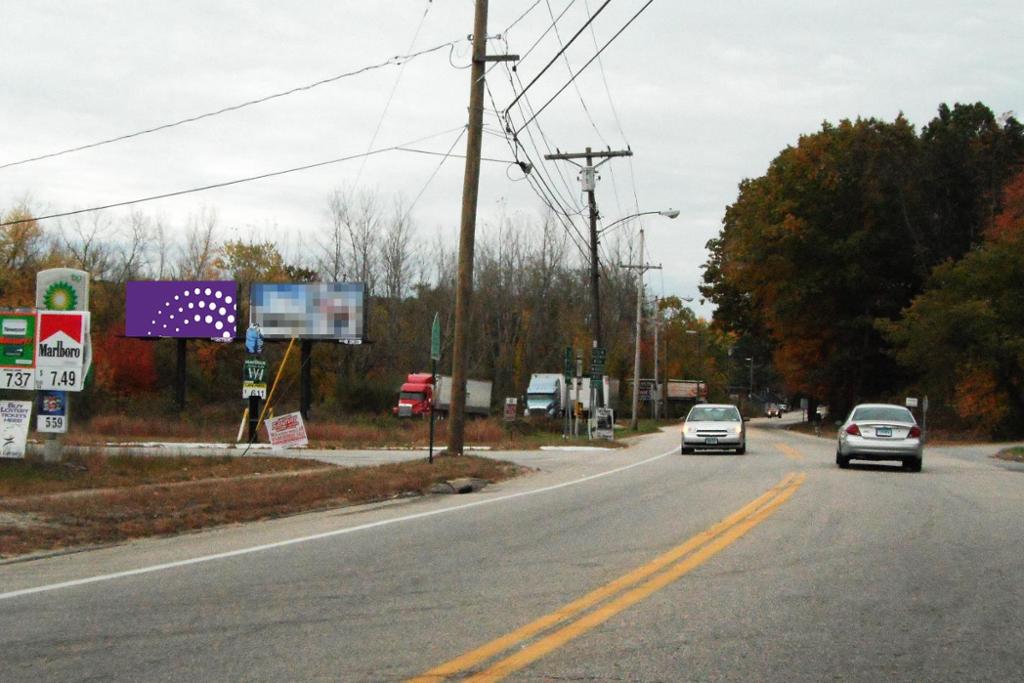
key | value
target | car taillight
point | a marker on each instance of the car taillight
(853, 429)
(915, 432)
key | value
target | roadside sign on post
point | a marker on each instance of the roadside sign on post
(510, 408)
(17, 350)
(647, 389)
(62, 289)
(597, 358)
(604, 423)
(14, 419)
(63, 352)
(287, 430)
(52, 412)
(254, 378)
(435, 339)
(911, 402)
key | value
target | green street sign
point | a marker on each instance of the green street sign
(597, 357)
(254, 378)
(435, 339)
(255, 370)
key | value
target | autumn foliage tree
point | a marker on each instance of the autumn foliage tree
(964, 334)
(843, 230)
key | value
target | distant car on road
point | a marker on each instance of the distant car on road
(717, 426)
(880, 431)
(784, 407)
(772, 410)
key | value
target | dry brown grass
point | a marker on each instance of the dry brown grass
(117, 427)
(95, 470)
(355, 432)
(48, 523)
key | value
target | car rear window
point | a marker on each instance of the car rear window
(883, 413)
(709, 414)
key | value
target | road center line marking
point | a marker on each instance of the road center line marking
(709, 538)
(789, 451)
(326, 534)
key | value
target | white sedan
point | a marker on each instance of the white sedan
(716, 426)
(880, 431)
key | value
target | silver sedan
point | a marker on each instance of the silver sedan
(880, 431)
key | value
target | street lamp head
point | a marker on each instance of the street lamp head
(668, 213)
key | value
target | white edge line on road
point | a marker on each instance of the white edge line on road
(315, 537)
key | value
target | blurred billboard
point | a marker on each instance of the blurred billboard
(205, 309)
(319, 310)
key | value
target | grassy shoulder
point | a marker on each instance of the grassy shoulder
(356, 432)
(1015, 454)
(101, 506)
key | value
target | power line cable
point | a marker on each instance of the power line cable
(604, 79)
(588, 63)
(536, 183)
(526, 108)
(391, 95)
(547, 195)
(537, 42)
(618, 123)
(522, 16)
(568, 66)
(393, 61)
(564, 48)
(447, 155)
(228, 183)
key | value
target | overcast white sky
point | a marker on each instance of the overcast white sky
(705, 94)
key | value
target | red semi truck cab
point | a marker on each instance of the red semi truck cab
(416, 397)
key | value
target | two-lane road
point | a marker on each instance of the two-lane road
(637, 564)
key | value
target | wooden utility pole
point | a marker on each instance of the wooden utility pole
(467, 232)
(588, 177)
(642, 267)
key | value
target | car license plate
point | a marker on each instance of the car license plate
(710, 442)
(883, 431)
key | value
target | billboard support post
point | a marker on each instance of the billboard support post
(180, 374)
(254, 420)
(305, 378)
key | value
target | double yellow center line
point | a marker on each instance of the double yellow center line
(616, 596)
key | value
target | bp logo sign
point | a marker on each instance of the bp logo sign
(62, 289)
(60, 296)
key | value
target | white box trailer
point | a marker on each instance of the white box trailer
(611, 392)
(478, 395)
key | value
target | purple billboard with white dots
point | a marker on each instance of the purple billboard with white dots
(185, 309)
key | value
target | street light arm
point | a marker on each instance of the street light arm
(668, 213)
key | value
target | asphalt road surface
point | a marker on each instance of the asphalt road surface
(637, 564)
